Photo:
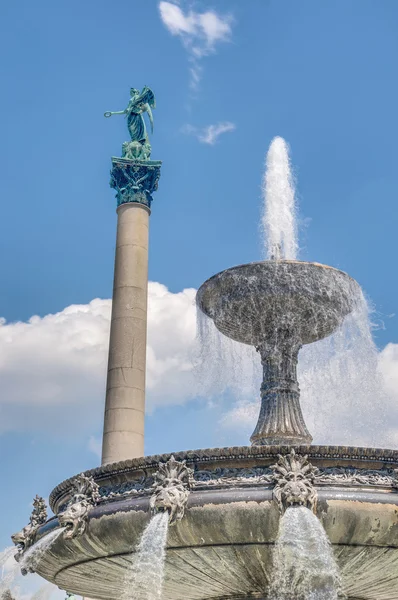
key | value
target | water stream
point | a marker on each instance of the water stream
(279, 222)
(8, 571)
(33, 555)
(144, 579)
(304, 567)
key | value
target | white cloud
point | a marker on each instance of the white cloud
(95, 446)
(53, 369)
(388, 365)
(53, 373)
(199, 32)
(209, 134)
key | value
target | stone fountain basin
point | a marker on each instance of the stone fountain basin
(248, 303)
(222, 547)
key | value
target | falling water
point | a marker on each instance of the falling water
(7, 572)
(342, 391)
(279, 212)
(10, 571)
(44, 592)
(144, 580)
(33, 556)
(304, 567)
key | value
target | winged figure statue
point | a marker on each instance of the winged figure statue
(140, 102)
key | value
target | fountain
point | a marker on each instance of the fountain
(279, 519)
(277, 306)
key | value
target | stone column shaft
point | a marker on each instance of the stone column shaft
(125, 390)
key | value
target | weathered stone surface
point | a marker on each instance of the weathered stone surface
(222, 547)
(125, 392)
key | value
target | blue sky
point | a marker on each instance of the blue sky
(320, 74)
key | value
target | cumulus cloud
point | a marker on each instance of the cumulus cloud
(53, 369)
(53, 372)
(388, 364)
(200, 32)
(209, 134)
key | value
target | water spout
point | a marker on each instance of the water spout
(279, 208)
(31, 558)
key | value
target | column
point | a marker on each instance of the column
(123, 436)
(125, 390)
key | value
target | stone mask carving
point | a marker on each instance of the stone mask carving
(294, 482)
(74, 518)
(172, 486)
(26, 537)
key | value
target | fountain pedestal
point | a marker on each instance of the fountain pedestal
(281, 420)
(277, 306)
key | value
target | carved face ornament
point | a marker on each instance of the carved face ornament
(171, 489)
(170, 499)
(74, 519)
(20, 539)
(293, 476)
(296, 493)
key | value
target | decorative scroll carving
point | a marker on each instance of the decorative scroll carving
(233, 477)
(294, 477)
(352, 476)
(74, 518)
(26, 537)
(139, 487)
(171, 488)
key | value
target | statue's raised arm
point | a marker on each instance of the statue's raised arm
(140, 102)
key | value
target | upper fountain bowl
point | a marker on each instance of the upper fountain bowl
(255, 302)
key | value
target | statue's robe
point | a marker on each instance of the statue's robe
(135, 118)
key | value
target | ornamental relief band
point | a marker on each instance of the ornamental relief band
(259, 476)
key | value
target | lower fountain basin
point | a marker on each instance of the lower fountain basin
(248, 303)
(222, 548)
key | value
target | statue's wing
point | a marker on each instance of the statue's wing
(149, 113)
(147, 97)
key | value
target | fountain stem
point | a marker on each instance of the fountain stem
(280, 421)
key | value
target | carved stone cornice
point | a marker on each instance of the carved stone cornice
(117, 480)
